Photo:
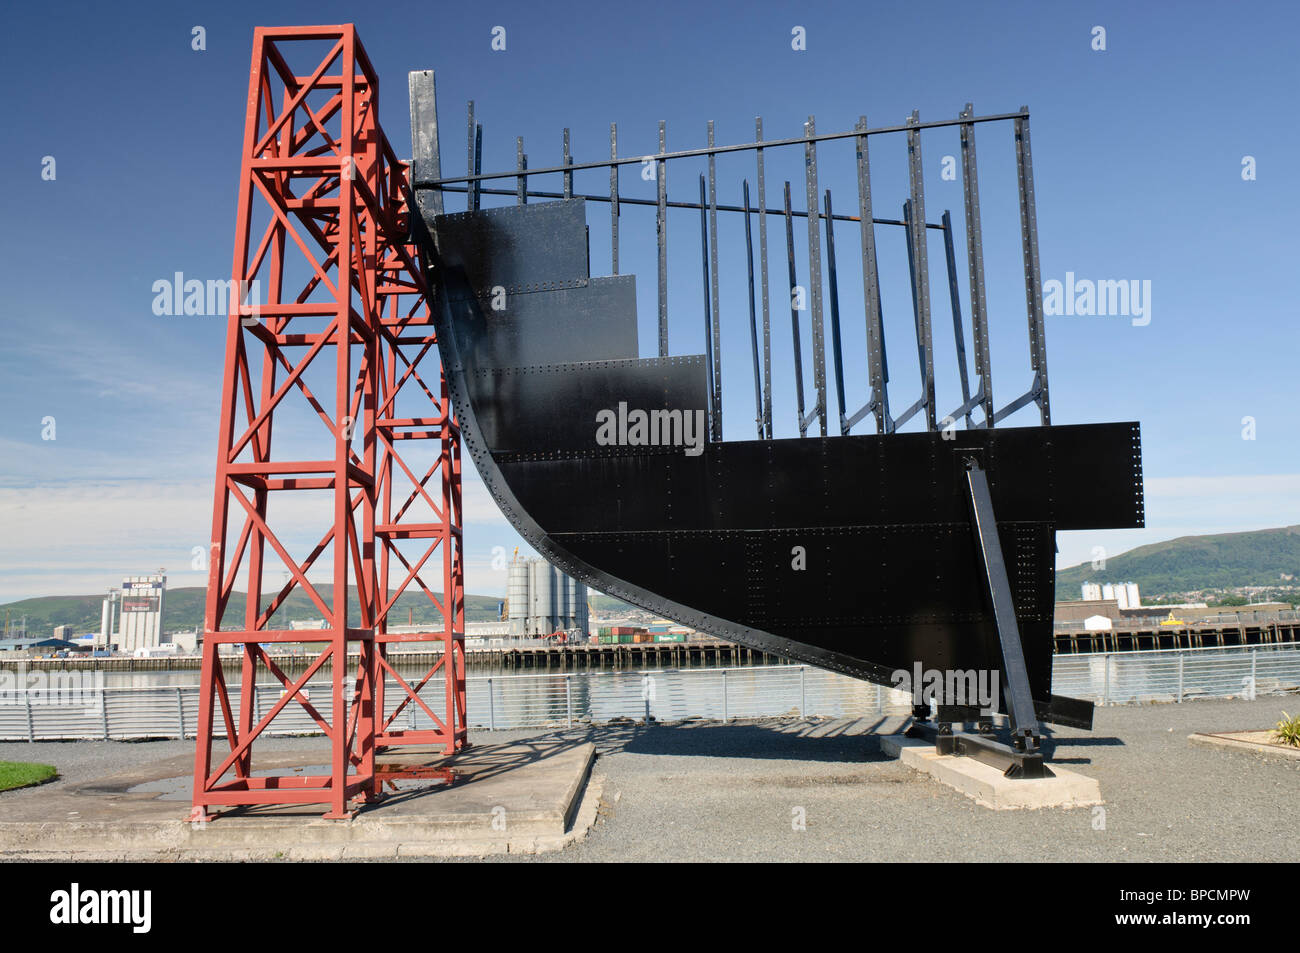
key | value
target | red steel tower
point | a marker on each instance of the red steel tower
(328, 330)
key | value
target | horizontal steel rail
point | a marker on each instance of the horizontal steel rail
(706, 151)
(572, 698)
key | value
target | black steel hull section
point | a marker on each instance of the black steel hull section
(852, 553)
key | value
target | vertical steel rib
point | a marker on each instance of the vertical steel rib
(479, 161)
(870, 282)
(762, 252)
(753, 317)
(794, 313)
(713, 271)
(568, 161)
(1033, 276)
(708, 294)
(661, 223)
(958, 334)
(836, 349)
(815, 272)
(921, 270)
(521, 183)
(975, 263)
(613, 196)
(472, 188)
(426, 161)
(916, 297)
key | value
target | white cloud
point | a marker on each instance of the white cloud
(84, 535)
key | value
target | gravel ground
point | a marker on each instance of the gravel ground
(706, 791)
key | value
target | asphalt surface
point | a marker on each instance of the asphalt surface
(713, 792)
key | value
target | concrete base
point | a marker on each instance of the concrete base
(512, 798)
(986, 785)
(1259, 742)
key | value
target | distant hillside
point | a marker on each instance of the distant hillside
(607, 604)
(183, 609)
(1263, 557)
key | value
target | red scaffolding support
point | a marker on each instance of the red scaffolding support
(323, 268)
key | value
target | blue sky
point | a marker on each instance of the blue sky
(1138, 154)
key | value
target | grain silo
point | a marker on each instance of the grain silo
(517, 597)
(544, 600)
(541, 613)
(576, 614)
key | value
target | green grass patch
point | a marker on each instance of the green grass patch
(20, 774)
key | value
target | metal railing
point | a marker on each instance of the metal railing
(567, 699)
(1176, 675)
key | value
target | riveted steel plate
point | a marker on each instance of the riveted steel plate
(594, 322)
(520, 249)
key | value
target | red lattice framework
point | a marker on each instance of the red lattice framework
(329, 300)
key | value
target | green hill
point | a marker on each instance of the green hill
(183, 609)
(1264, 557)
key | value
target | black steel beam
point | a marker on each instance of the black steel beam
(975, 264)
(1016, 690)
(1033, 272)
(815, 276)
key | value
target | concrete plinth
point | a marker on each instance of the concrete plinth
(512, 798)
(1261, 742)
(986, 785)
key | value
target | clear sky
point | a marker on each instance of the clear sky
(1138, 156)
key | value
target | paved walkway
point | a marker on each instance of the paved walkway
(739, 792)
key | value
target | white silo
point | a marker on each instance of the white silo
(541, 611)
(517, 592)
(578, 601)
(563, 600)
(1134, 597)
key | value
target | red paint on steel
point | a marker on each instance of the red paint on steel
(329, 274)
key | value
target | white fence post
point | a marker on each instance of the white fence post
(492, 713)
(180, 714)
(725, 717)
(1181, 659)
(803, 691)
(568, 699)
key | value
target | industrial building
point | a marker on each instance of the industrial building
(1124, 593)
(132, 616)
(542, 600)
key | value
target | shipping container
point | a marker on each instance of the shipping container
(643, 637)
(624, 639)
(670, 636)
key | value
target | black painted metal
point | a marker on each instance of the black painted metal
(711, 533)
(854, 552)
(1015, 688)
